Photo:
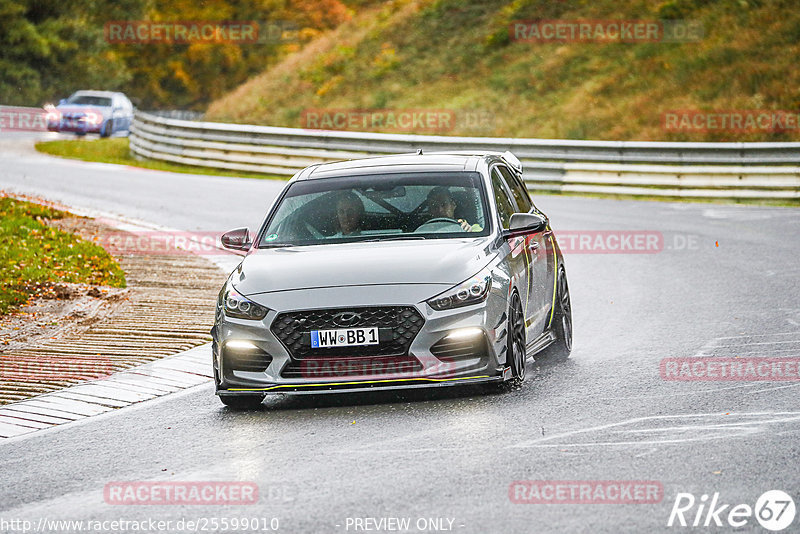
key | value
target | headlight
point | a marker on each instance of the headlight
(473, 291)
(235, 305)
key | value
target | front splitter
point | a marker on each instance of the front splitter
(362, 385)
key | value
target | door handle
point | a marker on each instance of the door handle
(533, 246)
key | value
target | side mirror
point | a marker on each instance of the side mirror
(525, 223)
(62, 102)
(238, 239)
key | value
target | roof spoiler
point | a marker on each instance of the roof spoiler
(512, 160)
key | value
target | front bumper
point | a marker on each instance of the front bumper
(263, 369)
(74, 126)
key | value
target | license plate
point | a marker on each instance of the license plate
(343, 337)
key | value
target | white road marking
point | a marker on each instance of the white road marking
(757, 335)
(703, 431)
(746, 344)
(742, 425)
(735, 345)
(683, 393)
(773, 389)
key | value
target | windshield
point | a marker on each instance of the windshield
(379, 207)
(88, 100)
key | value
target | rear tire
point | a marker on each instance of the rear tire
(559, 350)
(243, 402)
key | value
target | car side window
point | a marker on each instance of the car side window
(518, 189)
(505, 206)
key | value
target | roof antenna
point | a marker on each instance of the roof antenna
(419, 152)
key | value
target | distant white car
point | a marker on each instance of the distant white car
(102, 112)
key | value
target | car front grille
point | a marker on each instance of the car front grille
(397, 327)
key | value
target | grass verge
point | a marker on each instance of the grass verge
(116, 151)
(34, 257)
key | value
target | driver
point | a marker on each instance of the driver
(349, 211)
(442, 206)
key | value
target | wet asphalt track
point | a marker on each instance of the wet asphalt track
(606, 414)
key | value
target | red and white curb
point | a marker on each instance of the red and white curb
(125, 388)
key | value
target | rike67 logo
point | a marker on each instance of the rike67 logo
(774, 510)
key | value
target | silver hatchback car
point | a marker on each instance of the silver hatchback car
(392, 272)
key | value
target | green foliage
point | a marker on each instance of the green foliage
(458, 55)
(35, 256)
(49, 49)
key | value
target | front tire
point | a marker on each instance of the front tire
(516, 341)
(108, 128)
(559, 350)
(243, 402)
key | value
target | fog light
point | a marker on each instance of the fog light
(464, 333)
(240, 344)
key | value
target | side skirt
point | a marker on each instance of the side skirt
(539, 343)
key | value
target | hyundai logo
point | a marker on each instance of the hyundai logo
(346, 319)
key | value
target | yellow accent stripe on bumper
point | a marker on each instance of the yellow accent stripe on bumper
(357, 383)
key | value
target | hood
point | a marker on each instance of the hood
(433, 261)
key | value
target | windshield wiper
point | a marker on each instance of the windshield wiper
(278, 245)
(392, 238)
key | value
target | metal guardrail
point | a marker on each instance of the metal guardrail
(697, 170)
(177, 114)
